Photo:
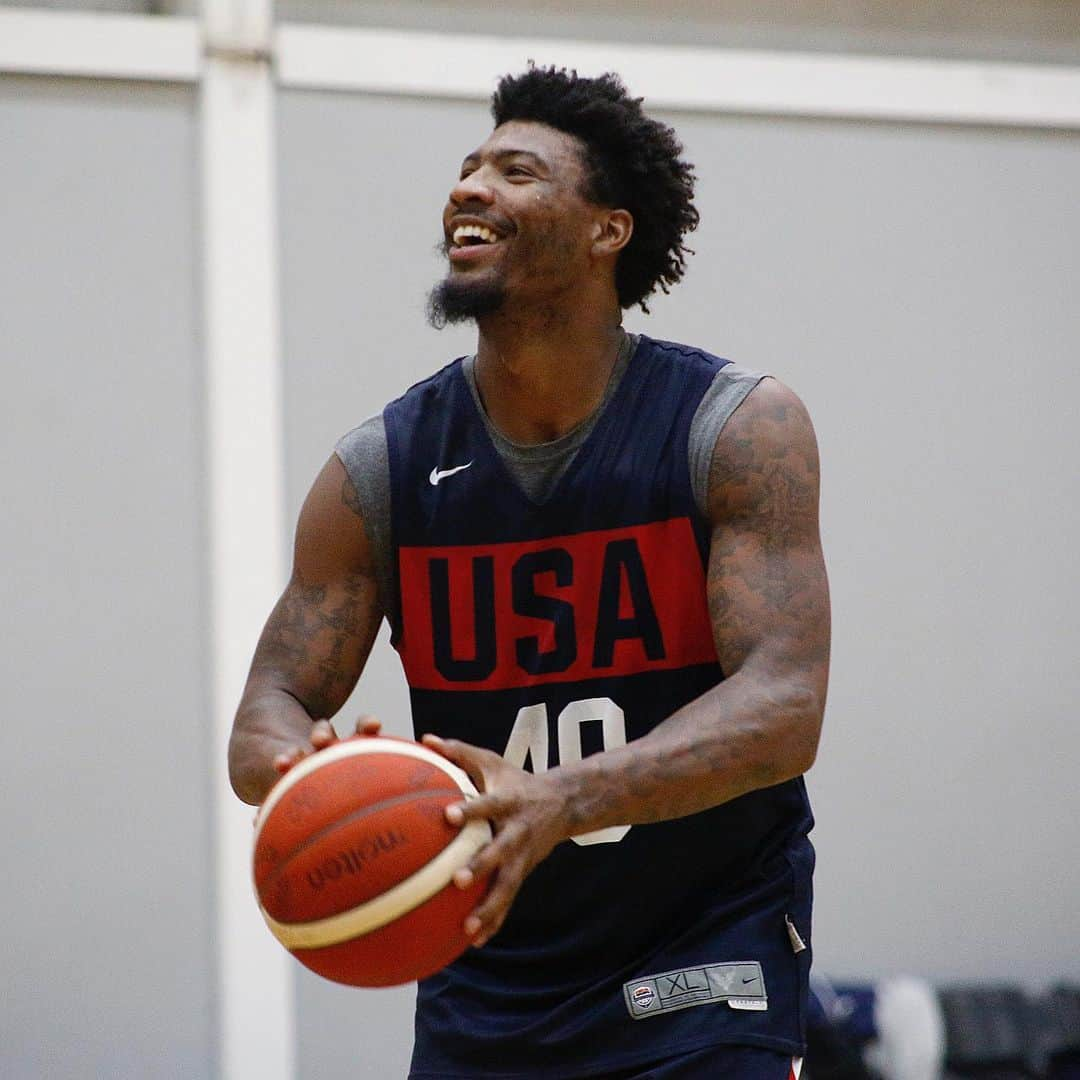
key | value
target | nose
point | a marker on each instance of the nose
(472, 188)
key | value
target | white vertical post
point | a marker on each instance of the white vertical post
(245, 464)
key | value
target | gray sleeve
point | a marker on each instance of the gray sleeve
(727, 392)
(363, 452)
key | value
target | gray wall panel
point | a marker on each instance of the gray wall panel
(105, 796)
(916, 285)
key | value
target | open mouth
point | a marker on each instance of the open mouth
(474, 236)
(470, 243)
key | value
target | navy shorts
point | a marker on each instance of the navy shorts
(717, 1063)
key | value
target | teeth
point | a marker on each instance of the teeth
(480, 231)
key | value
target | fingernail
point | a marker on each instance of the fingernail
(455, 815)
(463, 878)
(472, 925)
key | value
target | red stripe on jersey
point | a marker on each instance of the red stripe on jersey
(599, 604)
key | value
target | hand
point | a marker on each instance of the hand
(528, 819)
(322, 735)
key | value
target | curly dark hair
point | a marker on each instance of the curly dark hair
(632, 163)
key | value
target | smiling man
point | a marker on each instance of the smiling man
(599, 556)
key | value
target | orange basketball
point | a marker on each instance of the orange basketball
(354, 859)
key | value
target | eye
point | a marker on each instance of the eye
(519, 170)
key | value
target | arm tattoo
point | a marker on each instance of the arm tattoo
(766, 577)
(313, 638)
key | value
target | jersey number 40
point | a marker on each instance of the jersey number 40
(529, 741)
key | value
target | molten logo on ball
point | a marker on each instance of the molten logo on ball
(352, 861)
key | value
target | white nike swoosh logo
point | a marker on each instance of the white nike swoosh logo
(439, 474)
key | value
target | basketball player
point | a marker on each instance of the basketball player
(599, 557)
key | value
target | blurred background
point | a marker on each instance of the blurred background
(219, 227)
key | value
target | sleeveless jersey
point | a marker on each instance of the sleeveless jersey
(550, 631)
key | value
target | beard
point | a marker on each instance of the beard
(455, 300)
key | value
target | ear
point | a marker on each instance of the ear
(611, 232)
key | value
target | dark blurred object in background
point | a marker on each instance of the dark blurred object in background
(906, 1029)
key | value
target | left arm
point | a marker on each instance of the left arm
(769, 607)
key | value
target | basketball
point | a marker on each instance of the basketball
(354, 858)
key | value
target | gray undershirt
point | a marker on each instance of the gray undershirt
(538, 467)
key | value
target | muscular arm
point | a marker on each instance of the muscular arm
(769, 607)
(316, 641)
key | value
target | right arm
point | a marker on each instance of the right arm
(315, 643)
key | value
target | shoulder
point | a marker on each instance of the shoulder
(728, 389)
(767, 450)
(366, 442)
(674, 353)
(771, 409)
(365, 455)
(330, 537)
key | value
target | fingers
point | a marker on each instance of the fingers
(460, 753)
(368, 725)
(322, 735)
(484, 922)
(486, 861)
(464, 877)
(506, 861)
(491, 807)
(524, 830)
(285, 761)
(449, 748)
(479, 763)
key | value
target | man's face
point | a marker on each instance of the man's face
(517, 226)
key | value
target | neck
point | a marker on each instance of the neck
(541, 373)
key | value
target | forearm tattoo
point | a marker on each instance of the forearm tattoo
(313, 637)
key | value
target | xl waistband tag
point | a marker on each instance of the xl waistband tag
(740, 984)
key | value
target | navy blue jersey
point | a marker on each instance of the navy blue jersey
(550, 631)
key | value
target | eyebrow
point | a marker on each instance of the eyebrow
(508, 152)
